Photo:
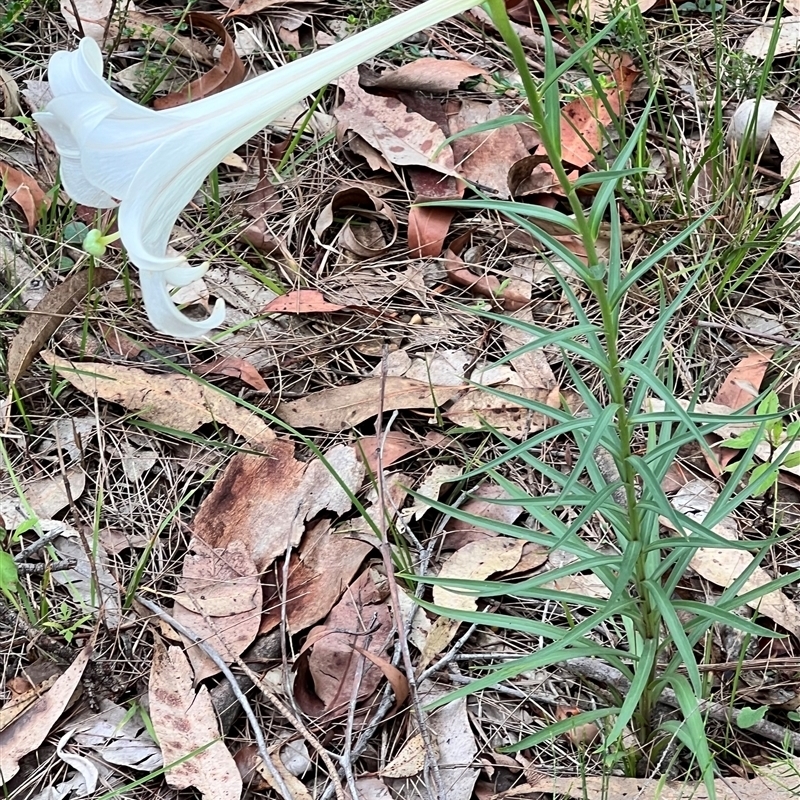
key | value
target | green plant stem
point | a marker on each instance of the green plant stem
(649, 628)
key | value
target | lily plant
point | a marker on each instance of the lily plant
(151, 163)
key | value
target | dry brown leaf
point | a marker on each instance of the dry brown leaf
(428, 226)
(9, 95)
(604, 10)
(30, 729)
(402, 137)
(583, 121)
(456, 750)
(38, 327)
(48, 496)
(722, 566)
(323, 566)
(219, 599)
(174, 401)
(391, 447)
(235, 368)
(154, 29)
(427, 75)
(243, 9)
(346, 406)
(410, 760)
(23, 696)
(92, 15)
(360, 619)
(743, 383)
(228, 72)
(432, 485)
(366, 239)
(264, 500)
(184, 722)
(785, 132)
(301, 301)
(25, 192)
(485, 158)
(10, 133)
(589, 788)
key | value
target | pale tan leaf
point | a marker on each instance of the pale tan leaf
(758, 42)
(431, 486)
(184, 722)
(174, 401)
(476, 561)
(409, 761)
(48, 496)
(427, 75)
(345, 406)
(30, 729)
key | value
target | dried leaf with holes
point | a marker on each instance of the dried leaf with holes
(426, 75)
(174, 401)
(186, 725)
(403, 138)
(228, 72)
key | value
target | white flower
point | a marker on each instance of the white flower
(151, 163)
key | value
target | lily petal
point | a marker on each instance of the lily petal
(153, 162)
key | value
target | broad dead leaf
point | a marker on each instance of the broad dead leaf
(785, 132)
(402, 137)
(485, 158)
(743, 383)
(25, 192)
(219, 599)
(431, 486)
(476, 561)
(230, 70)
(235, 368)
(184, 722)
(117, 737)
(758, 42)
(386, 449)
(604, 10)
(336, 669)
(264, 501)
(471, 410)
(301, 301)
(590, 788)
(92, 15)
(428, 226)
(243, 9)
(346, 406)
(48, 315)
(365, 239)
(47, 496)
(323, 566)
(722, 566)
(410, 760)
(458, 533)
(30, 729)
(427, 75)
(174, 401)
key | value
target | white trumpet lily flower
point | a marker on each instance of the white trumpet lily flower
(151, 163)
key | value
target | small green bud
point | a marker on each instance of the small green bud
(95, 243)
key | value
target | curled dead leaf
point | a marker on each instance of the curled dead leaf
(25, 192)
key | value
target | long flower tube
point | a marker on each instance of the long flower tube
(151, 163)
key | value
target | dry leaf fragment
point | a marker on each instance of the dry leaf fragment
(184, 722)
(391, 447)
(174, 401)
(264, 500)
(743, 383)
(604, 10)
(29, 730)
(235, 368)
(219, 599)
(228, 72)
(458, 533)
(360, 619)
(25, 192)
(410, 760)
(427, 75)
(49, 314)
(431, 486)
(402, 137)
(346, 406)
(759, 41)
(722, 566)
(301, 301)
